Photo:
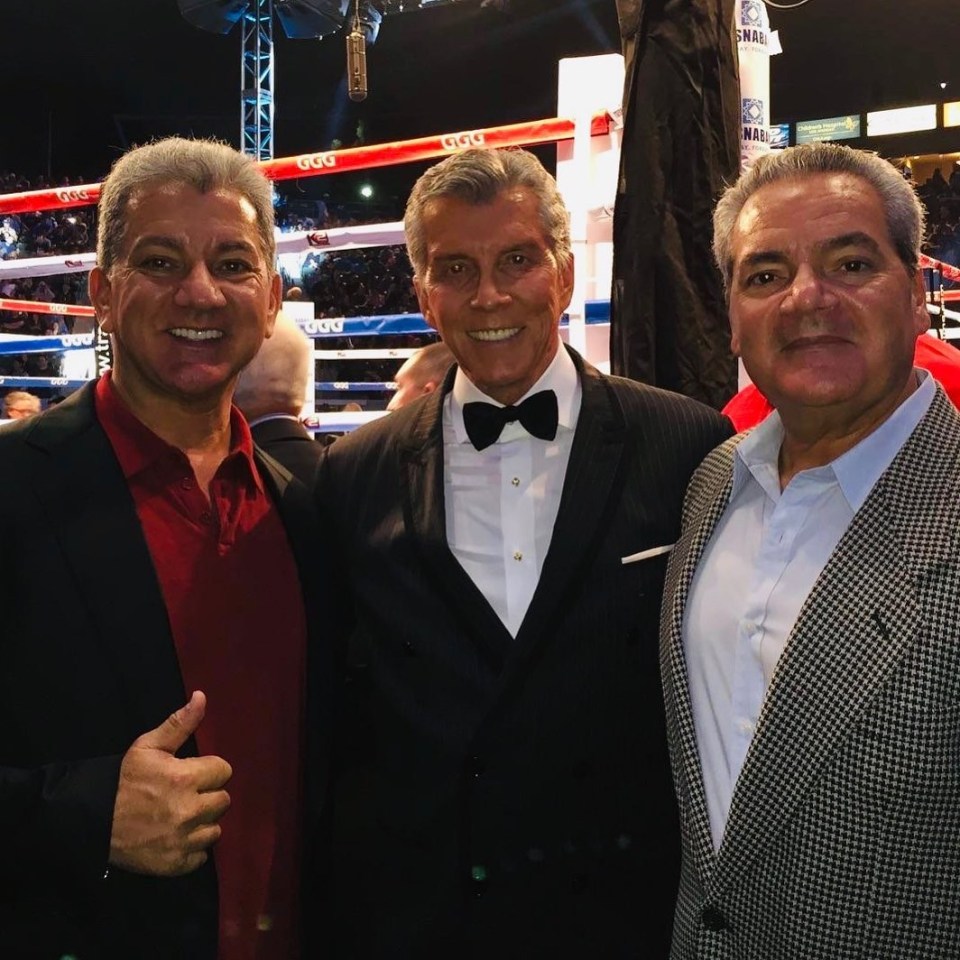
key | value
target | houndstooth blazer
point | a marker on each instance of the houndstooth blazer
(843, 838)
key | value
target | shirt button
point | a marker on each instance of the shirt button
(518, 556)
(745, 726)
(516, 481)
(478, 878)
(186, 483)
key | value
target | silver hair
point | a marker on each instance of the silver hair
(275, 380)
(902, 207)
(479, 176)
(205, 165)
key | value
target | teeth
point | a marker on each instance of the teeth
(189, 334)
(505, 333)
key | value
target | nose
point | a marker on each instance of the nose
(488, 295)
(200, 289)
(808, 290)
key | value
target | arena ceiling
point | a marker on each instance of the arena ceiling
(82, 81)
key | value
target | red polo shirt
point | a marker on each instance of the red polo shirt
(233, 597)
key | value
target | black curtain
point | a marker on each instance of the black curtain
(681, 145)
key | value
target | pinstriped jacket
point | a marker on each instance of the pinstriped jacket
(507, 797)
(843, 838)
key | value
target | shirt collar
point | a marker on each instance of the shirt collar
(857, 470)
(272, 416)
(560, 377)
(137, 447)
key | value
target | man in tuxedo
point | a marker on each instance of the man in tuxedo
(809, 641)
(502, 542)
(270, 394)
(151, 701)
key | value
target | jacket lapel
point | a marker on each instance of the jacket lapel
(591, 488)
(89, 507)
(424, 514)
(848, 639)
(710, 505)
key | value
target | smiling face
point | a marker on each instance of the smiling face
(493, 289)
(188, 301)
(823, 312)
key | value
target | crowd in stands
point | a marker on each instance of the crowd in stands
(941, 197)
(350, 283)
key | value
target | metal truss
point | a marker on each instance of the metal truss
(256, 80)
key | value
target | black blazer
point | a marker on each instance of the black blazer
(87, 664)
(290, 443)
(508, 797)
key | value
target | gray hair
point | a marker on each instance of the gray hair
(479, 176)
(205, 165)
(902, 207)
(275, 380)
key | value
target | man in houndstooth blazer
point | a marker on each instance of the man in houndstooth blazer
(809, 640)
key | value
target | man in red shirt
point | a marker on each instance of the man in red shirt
(152, 701)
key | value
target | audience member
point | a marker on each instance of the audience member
(421, 373)
(18, 404)
(809, 641)
(271, 392)
(509, 792)
(170, 541)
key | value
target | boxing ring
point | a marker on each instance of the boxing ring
(587, 136)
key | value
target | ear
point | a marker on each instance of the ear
(423, 299)
(567, 274)
(276, 298)
(100, 289)
(919, 300)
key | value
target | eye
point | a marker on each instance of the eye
(235, 267)
(854, 265)
(156, 263)
(761, 278)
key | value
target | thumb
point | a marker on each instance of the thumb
(174, 732)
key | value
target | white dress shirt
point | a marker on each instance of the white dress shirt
(502, 502)
(763, 559)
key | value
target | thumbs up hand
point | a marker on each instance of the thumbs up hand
(166, 812)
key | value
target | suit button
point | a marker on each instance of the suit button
(477, 766)
(579, 883)
(713, 919)
(478, 879)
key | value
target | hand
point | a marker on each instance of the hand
(166, 811)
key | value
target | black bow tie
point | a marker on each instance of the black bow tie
(537, 415)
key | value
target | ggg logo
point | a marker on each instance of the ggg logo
(58, 382)
(72, 195)
(73, 263)
(58, 308)
(77, 339)
(461, 141)
(316, 161)
(313, 328)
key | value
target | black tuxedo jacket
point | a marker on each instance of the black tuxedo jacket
(290, 443)
(508, 797)
(87, 664)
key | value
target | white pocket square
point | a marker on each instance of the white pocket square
(647, 554)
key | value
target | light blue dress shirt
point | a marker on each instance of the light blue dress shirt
(763, 559)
